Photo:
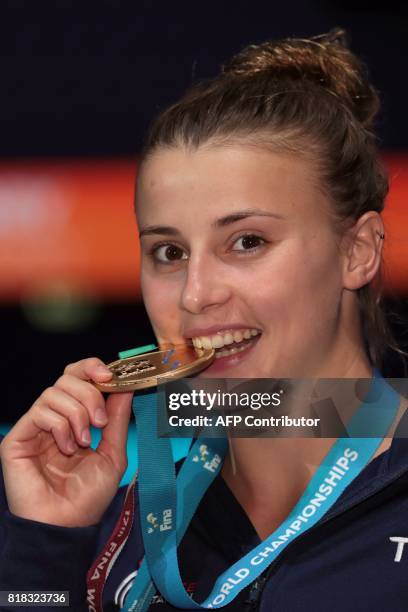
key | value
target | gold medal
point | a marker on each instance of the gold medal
(155, 368)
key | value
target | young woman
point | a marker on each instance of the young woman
(259, 202)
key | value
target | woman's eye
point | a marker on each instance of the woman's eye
(169, 253)
(249, 242)
(166, 253)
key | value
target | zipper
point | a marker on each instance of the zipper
(258, 586)
(256, 589)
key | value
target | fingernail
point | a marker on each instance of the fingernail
(101, 369)
(100, 416)
(71, 446)
(86, 436)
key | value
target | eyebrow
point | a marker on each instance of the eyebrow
(222, 222)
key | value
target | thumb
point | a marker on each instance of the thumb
(114, 434)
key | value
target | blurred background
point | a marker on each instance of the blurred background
(80, 83)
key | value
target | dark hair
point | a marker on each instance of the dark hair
(311, 97)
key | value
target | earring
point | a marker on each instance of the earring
(381, 235)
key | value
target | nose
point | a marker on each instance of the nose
(205, 285)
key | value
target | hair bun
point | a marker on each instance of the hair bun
(324, 60)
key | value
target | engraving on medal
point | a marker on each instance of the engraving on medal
(130, 369)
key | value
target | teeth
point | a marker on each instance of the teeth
(217, 341)
(238, 336)
(231, 351)
(206, 342)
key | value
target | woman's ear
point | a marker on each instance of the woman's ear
(362, 247)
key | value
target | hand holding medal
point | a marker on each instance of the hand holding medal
(51, 473)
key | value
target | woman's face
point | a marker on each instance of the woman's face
(237, 249)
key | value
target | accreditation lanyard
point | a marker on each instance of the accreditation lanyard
(167, 504)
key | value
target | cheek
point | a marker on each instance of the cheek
(160, 302)
(301, 287)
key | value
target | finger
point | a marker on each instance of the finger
(114, 435)
(91, 399)
(89, 369)
(39, 419)
(73, 410)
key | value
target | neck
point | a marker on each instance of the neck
(287, 466)
(269, 475)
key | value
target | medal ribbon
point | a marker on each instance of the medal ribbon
(102, 566)
(167, 504)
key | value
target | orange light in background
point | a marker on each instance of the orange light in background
(396, 225)
(73, 223)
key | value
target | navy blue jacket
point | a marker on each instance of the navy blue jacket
(347, 561)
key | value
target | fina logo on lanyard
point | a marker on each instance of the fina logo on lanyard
(211, 464)
(164, 526)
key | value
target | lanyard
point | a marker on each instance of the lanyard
(102, 566)
(167, 504)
